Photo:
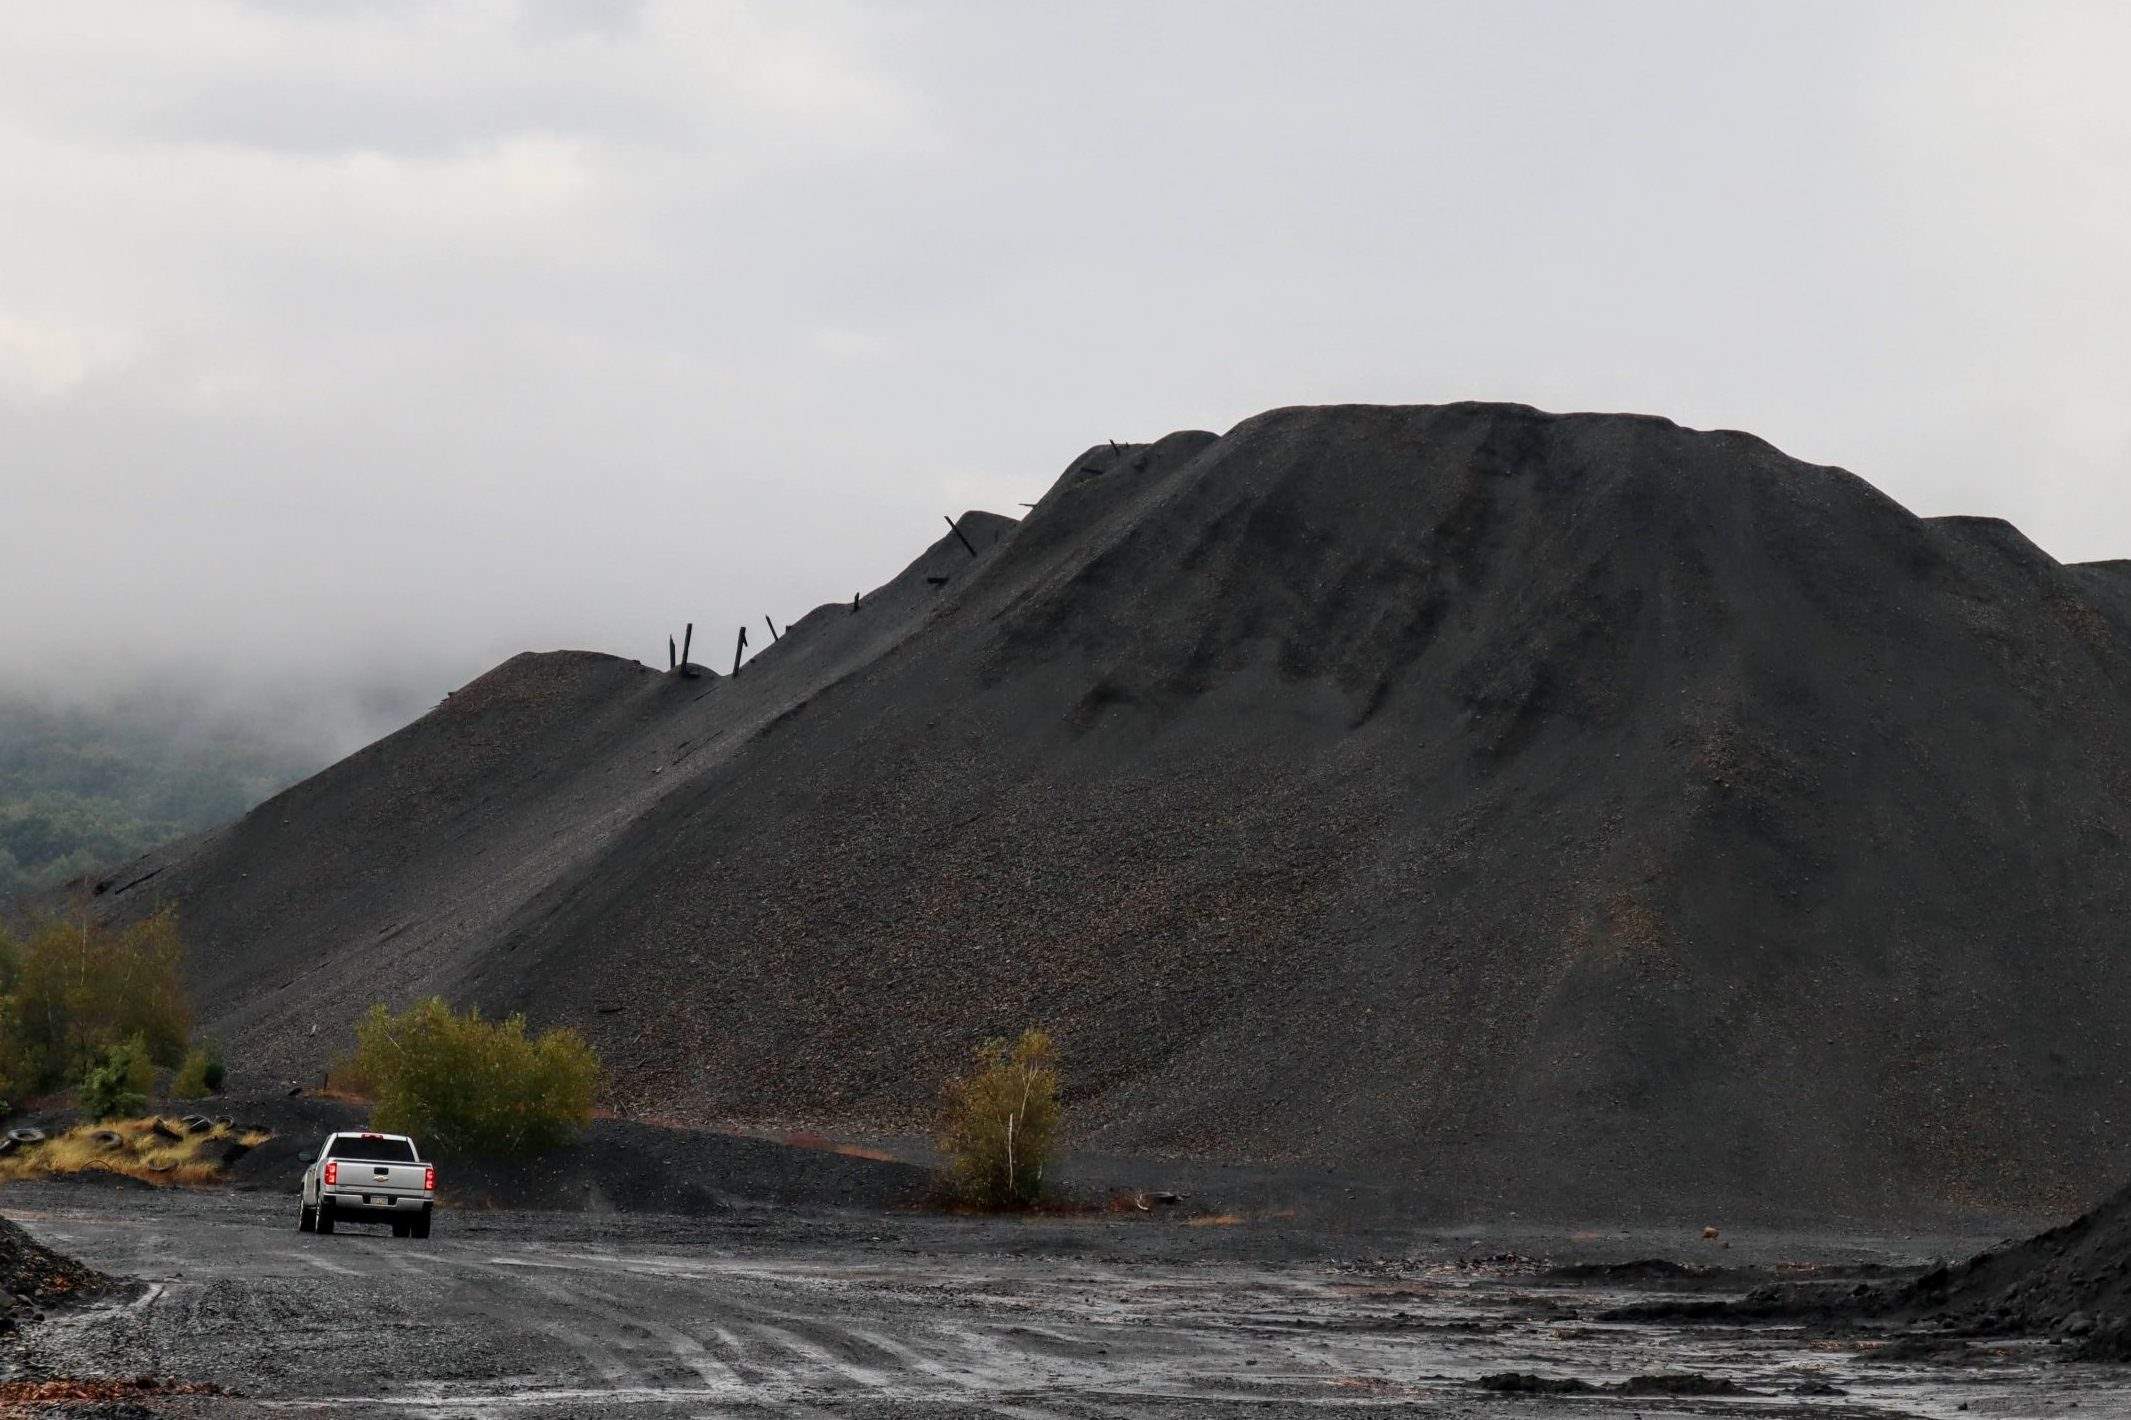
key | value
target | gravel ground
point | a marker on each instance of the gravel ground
(911, 1315)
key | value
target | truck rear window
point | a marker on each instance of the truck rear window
(376, 1151)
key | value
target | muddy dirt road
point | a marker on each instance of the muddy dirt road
(911, 1315)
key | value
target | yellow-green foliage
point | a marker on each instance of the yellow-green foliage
(141, 1153)
(74, 989)
(467, 1086)
(202, 1073)
(999, 1123)
(119, 1083)
(190, 1082)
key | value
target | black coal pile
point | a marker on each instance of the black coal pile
(1576, 814)
(33, 1277)
(2072, 1282)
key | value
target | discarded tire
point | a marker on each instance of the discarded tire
(26, 1136)
(197, 1124)
(161, 1166)
(107, 1139)
(223, 1121)
(163, 1130)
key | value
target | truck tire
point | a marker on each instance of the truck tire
(400, 1230)
(306, 1219)
(421, 1223)
(325, 1216)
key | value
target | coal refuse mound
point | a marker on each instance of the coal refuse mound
(1571, 814)
(33, 1278)
(2072, 1283)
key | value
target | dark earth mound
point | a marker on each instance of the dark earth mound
(1687, 1384)
(1576, 814)
(2072, 1282)
(618, 1166)
(33, 1277)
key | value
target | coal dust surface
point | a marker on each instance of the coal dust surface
(1574, 815)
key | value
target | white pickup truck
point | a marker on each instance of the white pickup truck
(369, 1178)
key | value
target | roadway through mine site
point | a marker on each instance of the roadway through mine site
(871, 1315)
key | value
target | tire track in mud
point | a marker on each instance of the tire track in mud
(479, 1325)
(648, 1329)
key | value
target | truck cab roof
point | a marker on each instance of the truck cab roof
(373, 1148)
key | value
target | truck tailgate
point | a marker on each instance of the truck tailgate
(363, 1176)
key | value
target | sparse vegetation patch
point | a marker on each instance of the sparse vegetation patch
(119, 1083)
(73, 991)
(201, 1074)
(468, 1086)
(999, 1123)
(149, 1148)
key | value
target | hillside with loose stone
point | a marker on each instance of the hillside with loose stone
(1570, 813)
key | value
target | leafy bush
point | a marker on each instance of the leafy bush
(119, 1083)
(463, 1085)
(201, 1074)
(998, 1124)
(74, 989)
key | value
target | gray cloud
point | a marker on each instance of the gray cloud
(349, 342)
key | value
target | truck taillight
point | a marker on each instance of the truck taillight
(332, 1172)
(429, 1178)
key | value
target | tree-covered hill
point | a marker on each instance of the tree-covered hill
(82, 787)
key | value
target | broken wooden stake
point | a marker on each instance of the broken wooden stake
(671, 662)
(774, 637)
(854, 603)
(738, 647)
(958, 533)
(687, 639)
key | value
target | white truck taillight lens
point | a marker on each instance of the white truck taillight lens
(332, 1172)
(429, 1178)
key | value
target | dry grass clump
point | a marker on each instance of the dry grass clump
(140, 1152)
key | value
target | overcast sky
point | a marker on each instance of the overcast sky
(387, 339)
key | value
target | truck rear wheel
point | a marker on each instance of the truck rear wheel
(325, 1215)
(421, 1223)
(306, 1219)
(400, 1230)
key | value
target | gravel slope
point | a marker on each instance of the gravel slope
(1562, 813)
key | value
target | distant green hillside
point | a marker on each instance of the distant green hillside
(82, 789)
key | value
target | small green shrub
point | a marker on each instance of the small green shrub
(999, 1123)
(467, 1086)
(118, 1084)
(202, 1073)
